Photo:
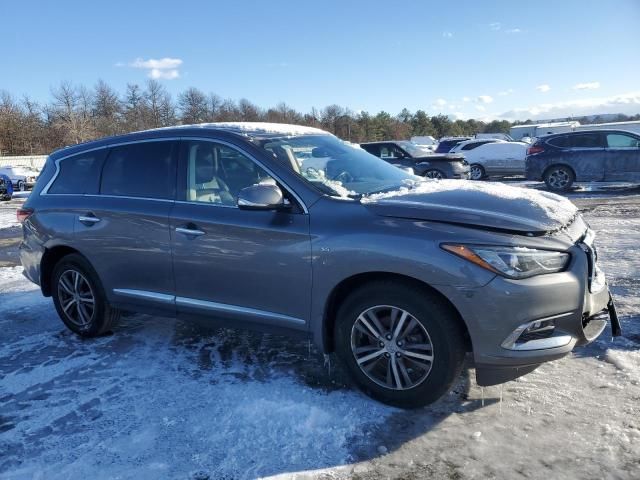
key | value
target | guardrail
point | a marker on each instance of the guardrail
(35, 161)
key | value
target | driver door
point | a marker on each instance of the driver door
(246, 265)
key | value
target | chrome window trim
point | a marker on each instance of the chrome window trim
(45, 190)
(253, 159)
(126, 197)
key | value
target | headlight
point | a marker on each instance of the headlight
(511, 262)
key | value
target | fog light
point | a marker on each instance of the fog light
(537, 335)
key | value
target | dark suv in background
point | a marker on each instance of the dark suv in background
(406, 154)
(289, 229)
(584, 156)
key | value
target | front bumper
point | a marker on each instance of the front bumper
(495, 312)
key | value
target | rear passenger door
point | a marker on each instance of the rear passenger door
(247, 265)
(124, 228)
(622, 157)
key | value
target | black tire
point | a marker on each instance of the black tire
(559, 178)
(435, 317)
(434, 173)
(100, 318)
(22, 186)
(481, 175)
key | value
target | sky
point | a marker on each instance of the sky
(467, 59)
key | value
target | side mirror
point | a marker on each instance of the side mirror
(262, 196)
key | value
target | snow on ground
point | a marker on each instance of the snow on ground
(167, 399)
(8, 218)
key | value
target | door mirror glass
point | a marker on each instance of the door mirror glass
(262, 196)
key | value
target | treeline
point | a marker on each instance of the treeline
(76, 114)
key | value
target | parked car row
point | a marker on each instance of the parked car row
(559, 160)
(423, 162)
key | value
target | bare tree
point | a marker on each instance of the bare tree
(193, 106)
(107, 110)
(72, 111)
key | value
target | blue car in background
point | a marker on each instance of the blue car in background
(584, 156)
(6, 188)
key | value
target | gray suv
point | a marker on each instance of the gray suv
(289, 229)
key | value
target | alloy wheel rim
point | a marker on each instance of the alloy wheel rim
(391, 347)
(76, 298)
(433, 174)
(476, 173)
(558, 178)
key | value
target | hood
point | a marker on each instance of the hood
(489, 205)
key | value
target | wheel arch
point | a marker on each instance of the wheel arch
(50, 258)
(342, 290)
(558, 164)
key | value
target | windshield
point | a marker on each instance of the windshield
(336, 167)
(414, 150)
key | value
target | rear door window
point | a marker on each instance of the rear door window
(78, 174)
(587, 140)
(620, 140)
(145, 169)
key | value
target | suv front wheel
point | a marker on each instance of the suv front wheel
(401, 344)
(79, 298)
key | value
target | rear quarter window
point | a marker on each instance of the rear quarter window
(78, 174)
(560, 142)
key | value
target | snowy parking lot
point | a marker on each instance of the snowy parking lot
(162, 398)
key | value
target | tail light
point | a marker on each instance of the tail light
(23, 213)
(534, 149)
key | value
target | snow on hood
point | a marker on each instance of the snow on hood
(487, 204)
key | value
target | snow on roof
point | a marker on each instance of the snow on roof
(260, 128)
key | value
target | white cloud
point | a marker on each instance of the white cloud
(504, 93)
(514, 30)
(495, 26)
(466, 99)
(447, 34)
(544, 88)
(484, 99)
(480, 108)
(441, 102)
(586, 86)
(163, 68)
(626, 103)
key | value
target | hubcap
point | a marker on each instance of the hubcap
(76, 298)
(433, 174)
(558, 178)
(391, 347)
(476, 172)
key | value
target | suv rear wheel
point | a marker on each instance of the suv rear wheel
(401, 344)
(559, 178)
(79, 298)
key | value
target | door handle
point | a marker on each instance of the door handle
(189, 231)
(88, 220)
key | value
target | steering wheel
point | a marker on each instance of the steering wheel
(344, 177)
